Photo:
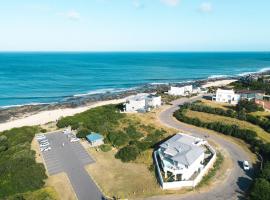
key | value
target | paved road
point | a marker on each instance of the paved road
(71, 159)
(238, 180)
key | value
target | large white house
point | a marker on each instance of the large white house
(182, 155)
(181, 91)
(226, 96)
(142, 102)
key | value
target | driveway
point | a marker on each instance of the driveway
(238, 181)
(71, 159)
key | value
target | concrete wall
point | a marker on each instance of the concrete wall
(180, 184)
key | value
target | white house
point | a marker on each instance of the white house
(226, 96)
(153, 101)
(182, 155)
(142, 102)
(181, 91)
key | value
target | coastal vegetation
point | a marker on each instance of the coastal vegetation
(242, 112)
(130, 136)
(261, 83)
(19, 172)
(260, 189)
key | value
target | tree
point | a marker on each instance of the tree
(127, 153)
(265, 174)
(260, 190)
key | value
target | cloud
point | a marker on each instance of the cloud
(171, 2)
(206, 7)
(71, 15)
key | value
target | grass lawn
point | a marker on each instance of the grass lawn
(124, 180)
(214, 104)
(263, 114)
(205, 117)
(46, 193)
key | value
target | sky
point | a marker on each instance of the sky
(135, 25)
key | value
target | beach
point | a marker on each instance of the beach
(44, 117)
(218, 83)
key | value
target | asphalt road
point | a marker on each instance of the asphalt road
(71, 159)
(238, 181)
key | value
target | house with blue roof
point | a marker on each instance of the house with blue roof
(95, 139)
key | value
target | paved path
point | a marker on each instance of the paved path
(238, 180)
(71, 159)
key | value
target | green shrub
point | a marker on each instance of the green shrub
(105, 147)
(19, 171)
(82, 133)
(132, 133)
(248, 106)
(118, 139)
(128, 153)
(260, 190)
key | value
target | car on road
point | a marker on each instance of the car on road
(43, 141)
(48, 148)
(245, 165)
(66, 131)
(44, 144)
(74, 139)
(40, 137)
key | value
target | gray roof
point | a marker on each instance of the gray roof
(181, 149)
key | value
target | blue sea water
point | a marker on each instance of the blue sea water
(50, 77)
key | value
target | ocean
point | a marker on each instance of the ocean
(33, 78)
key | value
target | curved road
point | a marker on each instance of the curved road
(238, 180)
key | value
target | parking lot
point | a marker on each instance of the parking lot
(71, 157)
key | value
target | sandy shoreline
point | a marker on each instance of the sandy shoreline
(218, 83)
(44, 117)
(47, 116)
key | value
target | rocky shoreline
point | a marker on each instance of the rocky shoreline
(11, 113)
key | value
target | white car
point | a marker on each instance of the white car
(40, 137)
(46, 148)
(66, 131)
(44, 144)
(71, 135)
(74, 139)
(245, 165)
(43, 141)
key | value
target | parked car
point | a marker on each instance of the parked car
(43, 141)
(44, 144)
(40, 137)
(245, 165)
(46, 148)
(66, 131)
(71, 135)
(74, 139)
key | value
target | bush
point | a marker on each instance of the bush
(82, 132)
(248, 106)
(105, 147)
(128, 153)
(260, 190)
(100, 119)
(132, 133)
(118, 139)
(19, 171)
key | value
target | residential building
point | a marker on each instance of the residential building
(181, 91)
(182, 156)
(95, 139)
(153, 101)
(251, 94)
(226, 96)
(142, 102)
